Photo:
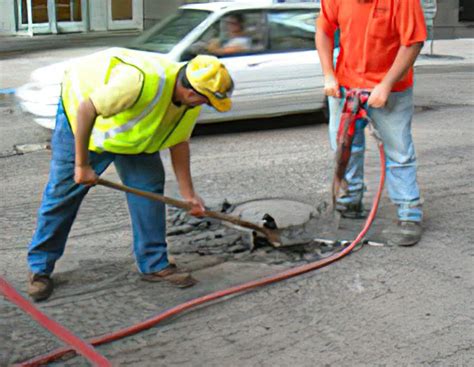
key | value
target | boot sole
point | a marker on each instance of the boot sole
(43, 296)
(184, 284)
(404, 244)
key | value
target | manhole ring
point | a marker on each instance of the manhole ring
(286, 212)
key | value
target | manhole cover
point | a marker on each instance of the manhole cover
(287, 213)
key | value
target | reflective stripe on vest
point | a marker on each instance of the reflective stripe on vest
(137, 129)
(100, 136)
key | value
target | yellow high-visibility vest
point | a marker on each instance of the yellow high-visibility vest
(137, 129)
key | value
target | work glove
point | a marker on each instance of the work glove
(331, 86)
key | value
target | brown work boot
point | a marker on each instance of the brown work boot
(352, 210)
(40, 286)
(406, 233)
(173, 275)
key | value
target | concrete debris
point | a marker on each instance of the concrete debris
(191, 235)
(30, 148)
(21, 149)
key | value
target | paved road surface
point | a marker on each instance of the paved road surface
(380, 306)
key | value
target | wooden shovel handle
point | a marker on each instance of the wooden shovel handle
(270, 234)
(150, 195)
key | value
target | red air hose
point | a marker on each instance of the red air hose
(58, 353)
(79, 345)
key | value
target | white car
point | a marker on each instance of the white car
(279, 74)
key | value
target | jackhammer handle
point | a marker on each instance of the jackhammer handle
(184, 205)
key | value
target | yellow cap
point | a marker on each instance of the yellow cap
(209, 77)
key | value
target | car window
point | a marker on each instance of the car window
(167, 34)
(291, 30)
(236, 33)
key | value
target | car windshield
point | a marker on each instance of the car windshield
(291, 30)
(167, 34)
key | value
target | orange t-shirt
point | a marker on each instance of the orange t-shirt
(371, 35)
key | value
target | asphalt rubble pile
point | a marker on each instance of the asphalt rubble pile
(188, 235)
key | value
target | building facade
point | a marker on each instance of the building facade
(452, 18)
(66, 16)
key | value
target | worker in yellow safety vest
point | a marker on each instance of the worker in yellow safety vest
(124, 106)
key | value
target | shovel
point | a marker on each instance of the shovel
(272, 235)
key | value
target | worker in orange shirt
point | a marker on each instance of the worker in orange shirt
(379, 42)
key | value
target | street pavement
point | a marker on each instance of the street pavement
(380, 306)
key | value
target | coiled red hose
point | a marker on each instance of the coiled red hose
(107, 338)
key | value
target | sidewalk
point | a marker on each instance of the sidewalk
(14, 44)
(454, 51)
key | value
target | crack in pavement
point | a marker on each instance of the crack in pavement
(22, 149)
(452, 354)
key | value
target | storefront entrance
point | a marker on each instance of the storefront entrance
(466, 10)
(63, 16)
(125, 14)
(52, 16)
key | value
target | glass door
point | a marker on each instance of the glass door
(52, 16)
(125, 14)
(33, 16)
(69, 15)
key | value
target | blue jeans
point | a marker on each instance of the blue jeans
(393, 122)
(62, 198)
